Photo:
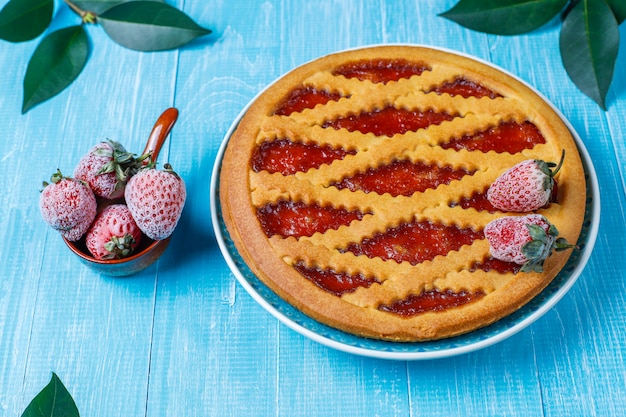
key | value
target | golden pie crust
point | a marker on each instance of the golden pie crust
(242, 191)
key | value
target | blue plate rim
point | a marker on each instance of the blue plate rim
(469, 342)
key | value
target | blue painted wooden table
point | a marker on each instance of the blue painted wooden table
(183, 337)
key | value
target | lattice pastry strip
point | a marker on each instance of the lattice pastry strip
(354, 187)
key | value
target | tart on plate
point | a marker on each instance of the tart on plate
(355, 188)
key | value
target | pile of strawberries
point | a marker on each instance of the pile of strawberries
(114, 200)
(527, 240)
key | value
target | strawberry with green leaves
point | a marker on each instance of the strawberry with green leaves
(67, 205)
(106, 168)
(526, 187)
(525, 240)
(114, 233)
(156, 199)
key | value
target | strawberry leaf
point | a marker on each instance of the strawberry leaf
(55, 64)
(589, 43)
(504, 17)
(24, 20)
(99, 6)
(149, 26)
(52, 400)
(537, 233)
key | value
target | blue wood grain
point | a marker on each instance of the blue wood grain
(183, 337)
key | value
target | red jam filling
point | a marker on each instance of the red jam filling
(509, 137)
(433, 300)
(401, 178)
(477, 201)
(389, 121)
(305, 98)
(465, 88)
(381, 70)
(337, 283)
(415, 242)
(289, 157)
(290, 218)
(492, 264)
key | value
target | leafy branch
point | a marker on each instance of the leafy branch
(141, 25)
(588, 41)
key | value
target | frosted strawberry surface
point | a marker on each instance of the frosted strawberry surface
(337, 283)
(116, 221)
(156, 199)
(509, 137)
(68, 206)
(289, 218)
(289, 157)
(401, 178)
(508, 235)
(415, 242)
(389, 121)
(433, 300)
(88, 170)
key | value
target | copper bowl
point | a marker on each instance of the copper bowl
(149, 250)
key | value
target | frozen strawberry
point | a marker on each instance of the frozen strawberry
(114, 233)
(525, 187)
(67, 205)
(156, 199)
(106, 168)
(526, 240)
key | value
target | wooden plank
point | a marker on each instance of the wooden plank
(316, 380)
(497, 381)
(184, 338)
(583, 374)
(93, 331)
(213, 349)
(572, 343)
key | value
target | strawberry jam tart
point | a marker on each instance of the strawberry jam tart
(355, 187)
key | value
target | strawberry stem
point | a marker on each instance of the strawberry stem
(562, 244)
(559, 165)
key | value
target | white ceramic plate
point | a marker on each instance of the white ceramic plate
(469, 342)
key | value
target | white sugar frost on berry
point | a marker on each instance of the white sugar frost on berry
(526, 240)
(525, 187)
(114, 233)
(88, 170)
(156, 199)
(68, 206)
(508, 235)
(106, 168)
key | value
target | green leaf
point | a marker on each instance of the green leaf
(504, 17)
(537, 233)
(619, 9)
(149, 26)
(53, 400)
(589, 42)
(24, 20)
(99, 6)
(55, 64)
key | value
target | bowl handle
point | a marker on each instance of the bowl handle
(159, 133)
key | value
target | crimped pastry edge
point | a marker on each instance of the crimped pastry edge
(257, 251)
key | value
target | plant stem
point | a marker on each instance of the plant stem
(87, 17)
